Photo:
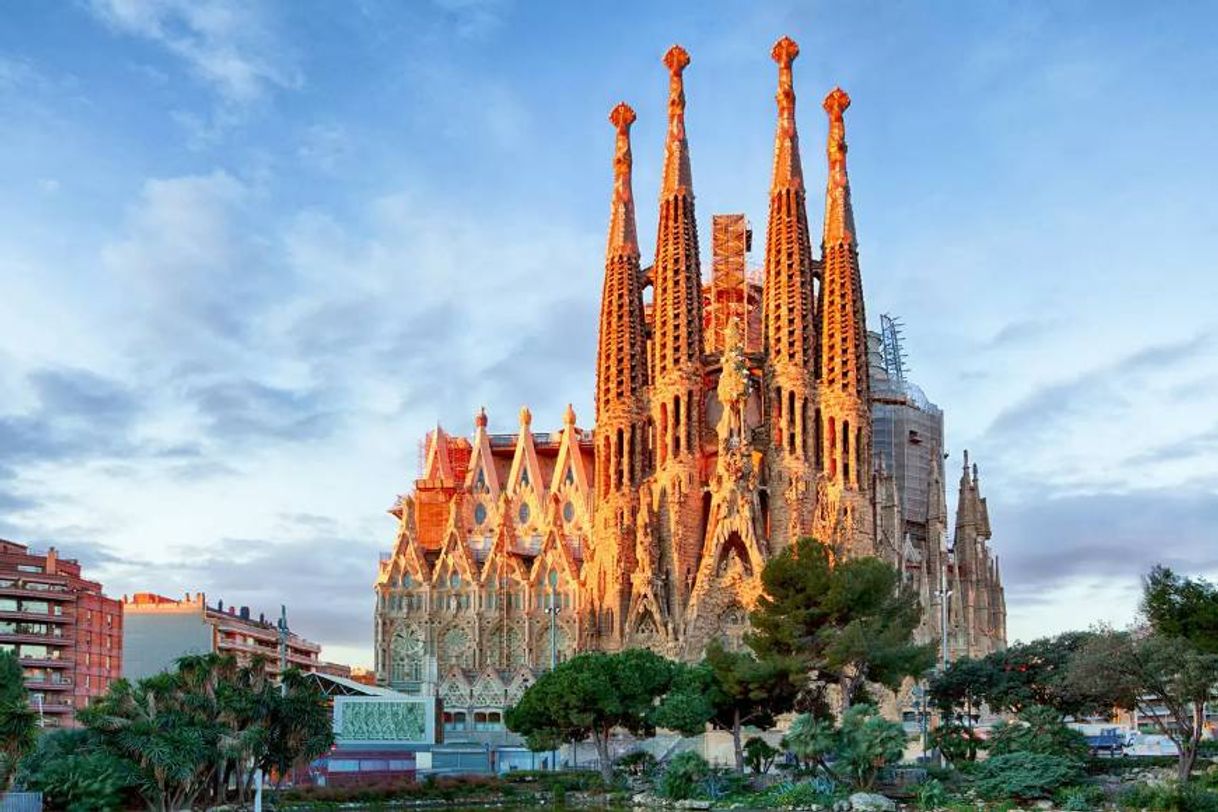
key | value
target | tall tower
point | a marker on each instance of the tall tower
(621, 409)
(843, 512)
(790, 338)
(676, 362)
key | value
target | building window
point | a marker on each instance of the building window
(523, 513)
(568, 512)
(479, 514)
(406, 657)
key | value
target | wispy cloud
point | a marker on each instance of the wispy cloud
(225, 43)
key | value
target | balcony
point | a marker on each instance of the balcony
(44, 684)
(43, 662)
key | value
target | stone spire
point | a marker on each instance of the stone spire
(788, 171)
(788, 310)
(620, 373)
(675, 369)
(621, 408)
(677, 176)
(839, 214)
(623, 235)
(844, 419)
(677, 333)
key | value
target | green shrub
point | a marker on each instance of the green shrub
(683, 776)
(1025, 776)
(1080, 797)
(1170, 797)
(932, 794)
(1038, 730)
(640, 764)
(759, 755)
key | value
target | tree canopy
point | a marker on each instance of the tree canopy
(18, 722)
(850, 621)
(593, 693)
(177, 738)
(1019, 677)
(732, 690)
(1187, 608)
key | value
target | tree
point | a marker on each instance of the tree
(74, 771)
(1038, 730)
(1145, 670)
(299, 726)
(855, 751)
(760, 755)
(732, 690)
(851, 622)
(18, 722)
(185, 734)
(1021, 676)
(591, 694)
(1182, 607)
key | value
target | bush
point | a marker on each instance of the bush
(1038, 730)
(1025, 776)
(640, 764)
(932, 794)
(759, 755)
(1080, 798)
(790, 794)
(1171, 797)
(74, 773)
(684, 776)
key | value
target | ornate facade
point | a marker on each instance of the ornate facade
(714, 447)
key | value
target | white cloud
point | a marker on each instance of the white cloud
(225, 43)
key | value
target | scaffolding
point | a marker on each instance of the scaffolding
(734, 292)
(895, 360)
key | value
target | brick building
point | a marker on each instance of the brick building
(158, 630)
(67, 634)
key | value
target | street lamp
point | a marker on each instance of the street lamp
(944, 594)
(552, 610)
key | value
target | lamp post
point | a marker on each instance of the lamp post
(552, 609)
(944, 594)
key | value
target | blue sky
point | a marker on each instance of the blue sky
(249, 252)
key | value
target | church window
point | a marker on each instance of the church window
(568, 512)
(570, 478)
(455, 649)
(524, 475)
(860, 454)
(831, 444)
(406, 657)
(817, 440)
(846, 451)
(676, 427)
(480, 482)
(523, 513)
(454, 581)
(479, 514)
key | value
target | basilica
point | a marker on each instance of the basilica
(736, 412)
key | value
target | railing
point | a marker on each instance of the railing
(21, 802)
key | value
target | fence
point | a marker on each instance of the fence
(21, 802)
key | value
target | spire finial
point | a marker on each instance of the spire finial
(788, 172)
(480, 418)
(677, 174)
(526, 418)
(623, 234)
(568, 417)
(839, 216)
